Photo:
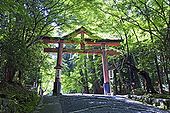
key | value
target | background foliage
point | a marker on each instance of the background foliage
(143, 24)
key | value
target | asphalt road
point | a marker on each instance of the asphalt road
(93, 104)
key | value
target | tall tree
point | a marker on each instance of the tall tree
(22, 25)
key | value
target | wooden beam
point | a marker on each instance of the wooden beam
(101, 43)
(87, 42)
(80, 51)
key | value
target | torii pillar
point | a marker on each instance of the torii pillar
(57, 83)
(106, 84)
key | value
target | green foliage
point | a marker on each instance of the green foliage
(47, 74)
(144, 26)
(140, 23)
(22, 25)
(20, 100)
(139, 91)
(163, 96)
(72, 83)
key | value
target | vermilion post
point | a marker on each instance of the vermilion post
(89, 42)
(57, 83)
(106, 84)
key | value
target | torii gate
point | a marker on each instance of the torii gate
(94, 41)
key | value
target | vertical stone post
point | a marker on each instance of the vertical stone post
(57, 83)
(106, 84)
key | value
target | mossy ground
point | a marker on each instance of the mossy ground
(17, 99)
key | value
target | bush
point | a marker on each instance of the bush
(20, 100)
(163, 96)
(138, 91)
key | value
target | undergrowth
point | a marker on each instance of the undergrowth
(17, 99)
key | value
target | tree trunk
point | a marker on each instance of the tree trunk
(165, 70)
(152, 39)
(149, 86)
(166, 74)
(84, 82)
(167, 46)
(82, 79)
(86, 76)
(93, 67)
(20, 77)
(145, 75)
(115, 82)
(9, 73)
(120, 86)
(168, 81)
(159, 76)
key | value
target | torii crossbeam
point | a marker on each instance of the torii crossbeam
(83, 41)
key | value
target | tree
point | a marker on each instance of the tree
(22, 25)
(141, 16)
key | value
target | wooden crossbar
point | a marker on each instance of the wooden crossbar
(81, 51)
(89, 42)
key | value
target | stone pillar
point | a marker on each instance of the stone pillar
(106, 84)
(57, 83)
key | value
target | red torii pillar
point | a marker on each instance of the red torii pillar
(57, 83)
(60, 50)
(106, 84)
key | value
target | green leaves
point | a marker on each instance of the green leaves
(21, 25)
(143, 24)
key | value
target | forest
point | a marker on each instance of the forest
(142, 67)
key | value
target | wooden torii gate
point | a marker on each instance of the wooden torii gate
(83, 41)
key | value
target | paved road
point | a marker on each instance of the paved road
(49, 104)
(94, 104)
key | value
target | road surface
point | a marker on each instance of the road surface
(93, 104)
